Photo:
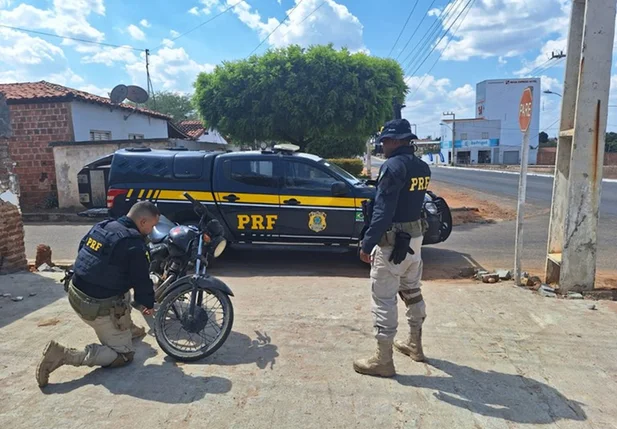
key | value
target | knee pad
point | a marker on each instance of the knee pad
(121, 360)
(408, 299)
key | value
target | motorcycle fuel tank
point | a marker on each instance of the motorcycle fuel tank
(180, 238)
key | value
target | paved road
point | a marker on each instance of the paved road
(539, 189)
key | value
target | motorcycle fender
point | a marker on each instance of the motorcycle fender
(205, 282)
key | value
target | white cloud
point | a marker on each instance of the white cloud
(64, 18)
(144, 23)
(168, 43)
(310, 23)
(109, 56)
(170, 69)
(207, 7)
(17, 48)
(135, 32)
(429, 97)
(174, 33)
(503, 28)
(194, 11)
(93, 89)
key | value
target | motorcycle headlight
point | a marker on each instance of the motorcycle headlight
(218, 246)
(431, 208)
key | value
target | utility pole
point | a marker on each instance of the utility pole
(396, 109)
(572, 243)
(149, 81)
(453, 134)
(415, 129)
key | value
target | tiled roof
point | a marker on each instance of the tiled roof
(193, 129)
(25, 92)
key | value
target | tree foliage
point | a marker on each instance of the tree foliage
(178, 106)
(611, 142)
(300, 95)
(543, 137)
(337, 147)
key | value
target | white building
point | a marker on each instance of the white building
(499, 99)
(494, 135)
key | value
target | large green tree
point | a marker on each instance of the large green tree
(337, 147)
(178, 106)
(300, 95)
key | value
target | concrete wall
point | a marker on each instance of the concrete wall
(12, 247)
(547, 156)
(71, 158)
(93, 117)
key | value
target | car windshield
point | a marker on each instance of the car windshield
(344, 173)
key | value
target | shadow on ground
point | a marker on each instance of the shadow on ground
(166, 383)
(282, 261)
(510, 397)
(46, 289)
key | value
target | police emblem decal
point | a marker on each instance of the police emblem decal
(317, 221)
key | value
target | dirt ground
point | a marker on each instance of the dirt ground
(496, 359)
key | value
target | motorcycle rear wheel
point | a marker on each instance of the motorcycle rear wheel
(168, 310)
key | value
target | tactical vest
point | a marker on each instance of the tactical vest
(411, 196)
(93, 263)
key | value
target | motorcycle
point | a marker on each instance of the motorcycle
(199, 304)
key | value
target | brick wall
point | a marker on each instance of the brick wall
(34, 127)
(548, 156)
(12, 248)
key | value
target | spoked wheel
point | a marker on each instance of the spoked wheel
(189, 337)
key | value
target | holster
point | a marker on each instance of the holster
(367, 211)
(401, 247)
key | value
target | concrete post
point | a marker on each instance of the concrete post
(573, 245)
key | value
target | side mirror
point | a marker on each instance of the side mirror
(339, 189)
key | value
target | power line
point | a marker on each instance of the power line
(466, 8)
(471, 2)
(75, 39)
(276, 28)
(404, 27)
(416, 29)
(308, 16)
(432, 31)
(204, 23)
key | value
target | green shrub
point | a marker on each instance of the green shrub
(351, 165)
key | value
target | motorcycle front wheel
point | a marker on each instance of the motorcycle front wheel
(189, 337)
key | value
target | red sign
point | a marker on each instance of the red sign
(524, 109)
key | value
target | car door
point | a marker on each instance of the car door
(309, 210)
(246, 189)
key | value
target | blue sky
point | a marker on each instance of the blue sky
(492, 39)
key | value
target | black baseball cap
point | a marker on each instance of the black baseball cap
(397, 129)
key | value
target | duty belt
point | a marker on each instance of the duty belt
(77, 297)
(414, 228)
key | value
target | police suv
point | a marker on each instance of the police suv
(275, 195)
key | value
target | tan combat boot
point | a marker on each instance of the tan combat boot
(137, 331)
(412, 347)
(54, 356)
(380, 364)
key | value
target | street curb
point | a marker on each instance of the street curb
(511, 172)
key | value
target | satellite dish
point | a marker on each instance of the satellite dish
(118, 94)
(137, 94)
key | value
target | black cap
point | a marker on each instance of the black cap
(397, 129)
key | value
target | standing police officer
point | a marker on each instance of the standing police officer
(112, 259)
(392, 245)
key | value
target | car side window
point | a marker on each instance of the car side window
(299, 175)
(251, 172)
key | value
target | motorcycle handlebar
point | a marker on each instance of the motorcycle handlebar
(199, 207)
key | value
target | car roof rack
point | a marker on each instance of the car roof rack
(138, 149)
(285, 148)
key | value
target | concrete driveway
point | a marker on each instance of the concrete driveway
(499, 357)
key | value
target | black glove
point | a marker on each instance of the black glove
(401, 248)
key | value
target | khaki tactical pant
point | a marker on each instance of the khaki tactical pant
(388, 280)
(114, 333)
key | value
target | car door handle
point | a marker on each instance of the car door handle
(292, 202)
(231, 198)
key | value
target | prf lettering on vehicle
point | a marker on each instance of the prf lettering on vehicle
(419, 183)
(256, 222)
(93, 244)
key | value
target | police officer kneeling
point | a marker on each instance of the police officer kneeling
(392, 245)
(112, 259)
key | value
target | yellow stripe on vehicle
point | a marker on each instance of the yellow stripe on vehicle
(178, 195)
(320, 201)
(249, 198)
(149, 194)
(128, 195)
(141, 193)
(158, 194)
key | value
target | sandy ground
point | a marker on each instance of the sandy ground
(499, 357)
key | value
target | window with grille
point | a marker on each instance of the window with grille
(485, 136)
(463, 136)
(100, 135)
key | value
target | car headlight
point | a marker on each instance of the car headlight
(431, 208)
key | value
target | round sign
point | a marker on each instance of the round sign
(524, 110)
